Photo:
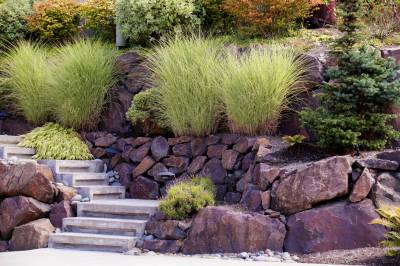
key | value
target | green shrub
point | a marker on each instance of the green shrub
(390, 218)
(83, 74)
(188, 197)
(356, 102)
(55, 20)
(187, 76)
(53, 142)
(258, 87)
(215, 18)
(294, 140)
(143, 112)
(145, 21)
(99, 16)
(13, 23)
(26, 77)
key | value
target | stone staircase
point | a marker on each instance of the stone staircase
(108, 222)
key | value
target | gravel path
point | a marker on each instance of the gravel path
(51, 257)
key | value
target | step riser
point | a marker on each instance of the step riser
(59, 167)
(107, 196)
(78, 183)
(99, 193)
(90, 247)
(127, 216)
(104, 231)
(9, 141)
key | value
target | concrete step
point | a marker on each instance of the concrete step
(104, 226)
(75, 166)
(10, 152)
(92, 242)
(82, 179)
(9, 141)
(102, 192)
(133, 209)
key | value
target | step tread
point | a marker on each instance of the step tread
(85, 176)
(20, 150)
(97, 219)
(8, 139)
(90, 236)
(124, 202)
(102, 188)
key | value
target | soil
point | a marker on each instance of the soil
(362, 256)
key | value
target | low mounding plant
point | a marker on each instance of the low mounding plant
(270, 16)
(55, 20)
(187, 77)
(26, 77)
(390, 218)
(258, 86)
(13, 23)
(188, 197)
(143, 112)
(84, 72)
(145, 21)
(53, 142)
(356, 103)
(99, 17)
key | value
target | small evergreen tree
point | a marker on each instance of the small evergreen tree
(356, 102)
(351, 12)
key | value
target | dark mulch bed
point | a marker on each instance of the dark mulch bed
(362, 256)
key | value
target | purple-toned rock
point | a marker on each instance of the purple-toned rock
(137, 155)
(315, 183)
(222, 230)
(220, 192)
(66, 193)
(60, 211)
(179, 140)
(159, 148)
(163, 246)
(265, 175)
(229, 139)
(266, 199)
(199, 146)
(105, 141)
(241, 185)
(29, 179)
(213, 139)
(182, 150)
(386, 191)
(378, 164)
(390, 156)
(20, 210)
(197, 164)
(229, 158)
(3, 246)
(335, 226)
(252, 198)
(233, 197)
(244, 144)
(139, 141)
(144, 188)
(362, 187)
(214, 170)
(168, 230)
(157, 169)
(32, 235)
(391, 52)
(142, 168)
(248, 160)
(215, 151)
(124, 171)
(98, 152)
(177, 164)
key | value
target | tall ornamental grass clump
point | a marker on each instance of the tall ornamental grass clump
(257, 87)
(83, 74)
(187, 76)
(25, 72)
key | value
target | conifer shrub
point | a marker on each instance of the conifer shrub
(188, 197)
(356, 103)
(390, 218)
(53, 142)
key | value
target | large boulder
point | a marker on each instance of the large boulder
(20, 210)
(386, 190)
(220, 229)
(29, 179)
(315, 183)
(144, 188)
(336, 226)
(32, 235)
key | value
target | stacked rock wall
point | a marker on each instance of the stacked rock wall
(32, 205)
